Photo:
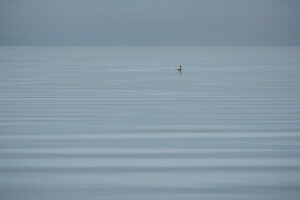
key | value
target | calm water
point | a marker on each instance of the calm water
(121, 123)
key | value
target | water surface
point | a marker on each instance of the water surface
(123, 123)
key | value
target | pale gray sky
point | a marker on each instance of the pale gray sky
(149, 22)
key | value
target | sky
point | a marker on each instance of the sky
(149, 22)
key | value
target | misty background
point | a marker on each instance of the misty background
(155, 22)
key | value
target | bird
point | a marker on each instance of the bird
(179, 69)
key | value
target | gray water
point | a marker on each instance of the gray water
(122, 123)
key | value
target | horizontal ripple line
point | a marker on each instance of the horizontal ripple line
(146, 169)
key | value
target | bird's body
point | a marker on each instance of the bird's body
(179, 69)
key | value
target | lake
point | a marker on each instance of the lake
(122, 123)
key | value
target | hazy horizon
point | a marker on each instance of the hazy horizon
(155, 23)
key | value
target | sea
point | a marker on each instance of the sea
(122, 123)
